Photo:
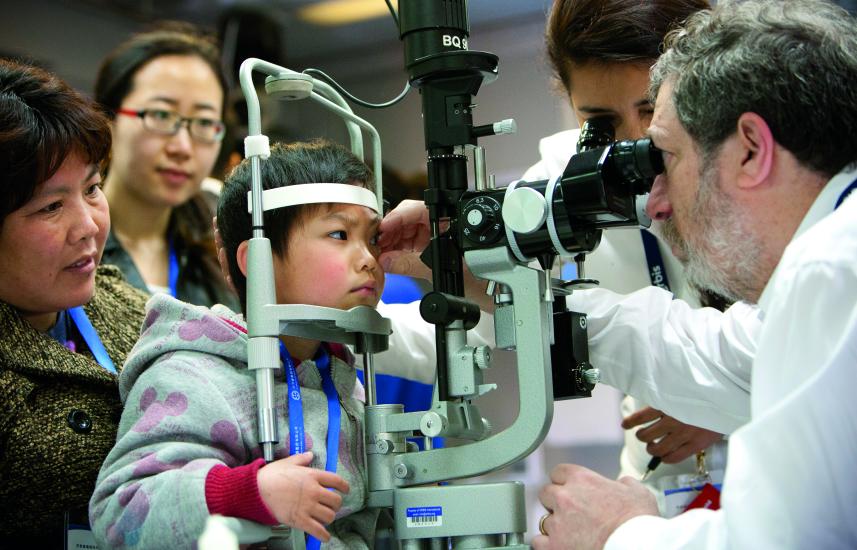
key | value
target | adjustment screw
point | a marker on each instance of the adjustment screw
(401, 471)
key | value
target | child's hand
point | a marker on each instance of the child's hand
(297, 495)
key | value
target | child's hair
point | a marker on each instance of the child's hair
(317, 161)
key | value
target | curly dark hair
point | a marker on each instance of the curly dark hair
(43, 120)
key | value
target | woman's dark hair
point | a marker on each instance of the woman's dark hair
(190, 223)
(317, 161)
(42, 121)
(611, 31)
(116, 75)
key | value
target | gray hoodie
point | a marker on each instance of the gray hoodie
(190, 405)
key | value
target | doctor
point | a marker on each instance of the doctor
(755, 113)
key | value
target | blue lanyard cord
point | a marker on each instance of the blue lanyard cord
(90, 336)
(334, 413)
(657, 268)
(173, 273)
(844, 195)
(296, 409)
(296, 414)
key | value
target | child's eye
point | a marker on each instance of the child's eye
(373, 240)
(341, 235)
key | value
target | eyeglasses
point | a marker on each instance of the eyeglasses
(168, 123)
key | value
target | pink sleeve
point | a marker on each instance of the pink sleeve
(234, 492)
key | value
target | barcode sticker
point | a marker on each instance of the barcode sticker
(425, 516)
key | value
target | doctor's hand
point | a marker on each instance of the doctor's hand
(404, 234)
(406, 227)
(585, 508)
(298, 496)
(667, 438)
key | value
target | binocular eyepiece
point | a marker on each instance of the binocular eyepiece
(564, 216)
(637, 161)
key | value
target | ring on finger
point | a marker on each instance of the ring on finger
(542, 523)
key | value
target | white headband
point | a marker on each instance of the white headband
(313, 193)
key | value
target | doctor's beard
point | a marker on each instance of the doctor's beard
(720, 254)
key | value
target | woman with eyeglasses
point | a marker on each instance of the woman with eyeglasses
(164, 91)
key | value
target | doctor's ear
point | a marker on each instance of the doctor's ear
(758, 148)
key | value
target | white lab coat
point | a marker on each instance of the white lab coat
(790, 482)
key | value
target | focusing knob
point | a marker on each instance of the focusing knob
(525, 210)
(482, 357)
(481, 220)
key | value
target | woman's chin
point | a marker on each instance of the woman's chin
(79, 297)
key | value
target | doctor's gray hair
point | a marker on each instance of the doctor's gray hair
(792, 62)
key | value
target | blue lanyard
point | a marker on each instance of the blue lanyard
(173, 273)
(296, 413)
(657, 268)
(845, 194)
(90, 336)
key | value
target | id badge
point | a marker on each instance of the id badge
(78, 535)
(708, 498)
(685, 492)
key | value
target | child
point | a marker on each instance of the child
(187, 445)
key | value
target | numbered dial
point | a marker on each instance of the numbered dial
(482, 221)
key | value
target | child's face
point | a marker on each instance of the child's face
(332, 259)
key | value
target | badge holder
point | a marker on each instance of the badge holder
(698, 490)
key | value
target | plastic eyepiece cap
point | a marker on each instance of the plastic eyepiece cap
(648, 157)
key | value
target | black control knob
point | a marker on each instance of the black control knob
(481, 220)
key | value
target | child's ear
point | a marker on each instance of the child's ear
(241, 256)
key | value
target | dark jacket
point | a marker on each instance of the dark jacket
(194, 286)
(49, 457)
